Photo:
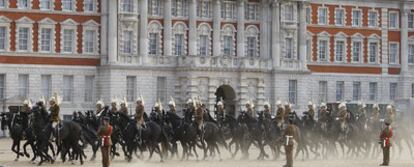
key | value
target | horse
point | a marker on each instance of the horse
(252, 134)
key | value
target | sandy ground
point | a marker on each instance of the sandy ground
(7, 160)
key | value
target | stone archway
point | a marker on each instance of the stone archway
(226, 92)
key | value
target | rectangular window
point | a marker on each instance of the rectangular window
(24, 4)
(323, 91)
(204, 9)
(308, 15)
(356, 51)
(372, 19)
(356, 96)
(412, 89)
(373, 52)
(228, 10)
(340, 90)
(23, 86)
(289, 48)
(228, 45)
(23, 38)
(2, 86)
(162, 89)
(153, 42)
(251, 46)
(89, 5)
(46, 40)
(411, 20)
(340, 51)
(127, 6)
(131, 84)
(393, 20)
(323, 16)
(3, 39)
(89, 88)
(68, 40)
(394, 53)
(373, 91)
(203, 45)
(3, 4)
(308, 50)
(127, 41)
(339, 17)
(293, 87)
(411, 53)
(356, 18)
(68, 88)
(46, 4)
(155, 7)
(179, 44)
(46, 86)
(252, 12)
(67, 5)
(90, 41)
(393, 91)
(179, 8)
(323, 50)
(289, 13)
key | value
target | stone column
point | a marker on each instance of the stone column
(302, 34)
(143, 34)
(104, 32)
(240, 28)
(264, 27)
(112, 32)
(216, 28)
(192, 15)
(276, 34)
(167, 28)
(404, 41)
(384, 40)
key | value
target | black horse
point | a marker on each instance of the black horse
(252, 134)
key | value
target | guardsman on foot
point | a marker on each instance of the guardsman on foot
(291, 138)
(105, 132)
(385, 141)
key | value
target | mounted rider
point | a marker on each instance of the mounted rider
(199, 116)
(172, 106)
(54, 110)
(324, 116)
(311, 111)
(114, 105)
(157, 114)
(139, 112)
(291, 139)
(390, 114)
(343, 116)
(189, 110)
(249, 108)
(124, 107)
(280, 114)
(361, 114)
(100, 109)
(288, 110)
(220, 113)
(24, 113)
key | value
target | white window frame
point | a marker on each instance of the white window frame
(47, 24)
(340, 37)
(70, 89)
(126, 6)
(69, 24)
(91, 26)
(162, 88)
(228, 31)
(410, 20)
(357, 38)
(6, 4)
(74, 42)
(19, 6)
(204, 8)
(89, 88)
(155, 7)
(156, 28)
(323, 91)
(373, 91)
(293, 91)
(289, 45)
(397, 52)
(308, 15)
(373, 39)
(411, 52)
(324, 37)
(51, 5)
(131, 88)
(2, 86)
(204, 30)
(252, 32)
(179, 8)
(94, 4)
(309, 47)
(180, 28)
(46, 90)
(397, 21)
(24, 88)
(343, 17)
(252, 11)
(369, 18)
(340, 91)
(5, 22)
(326, 17)
(356, 91)
(359, 18)
(73, 7)
(51, 43)
(127, 42)
(289, 12)
(393, 90)
(228, 10)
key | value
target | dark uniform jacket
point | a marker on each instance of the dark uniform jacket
(54, 113)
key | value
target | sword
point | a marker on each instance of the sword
(287, 139)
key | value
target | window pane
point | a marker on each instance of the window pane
(68, 40)
(356, 51)
(3, 38)
(323, 91)
(23, 85)
(393, 53)
(203, 45)
(2, 85)
(289, 48)
(131, 85)
(356, 91)
(67, 88)
(46, 86)
(153, 42)
(89, 41)
(411, 53)
(46, 39)
(67, 4)
(373, 50)
(292, 91)
(162, 89)
(179, 44)
(340, 89)
(23, 38)
(89, 88)
(373, 90)
(393, 91)
(340, 50)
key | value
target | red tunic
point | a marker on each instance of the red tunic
(105, 134)
(385, 137)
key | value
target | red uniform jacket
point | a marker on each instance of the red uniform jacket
(105, 133)
(385, 137)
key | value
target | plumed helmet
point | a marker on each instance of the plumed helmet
(279, 103)
(101, 103)
(171, 102)
(42, 100)
(310, 103)
(219, 103)
(376, 106)
(28, 103)
(342, 105)
(323, 105)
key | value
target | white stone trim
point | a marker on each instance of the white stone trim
(29, 5)
(156, 27)
(6, 4)
(398, 52)
(73, 6)
(252, 31)
(204, 29)
(27, 23)
(69, 24)
(398, 19)
(95, 6)
(52, 5)
(294, 12)
(357, 38)
(310, 14)
(327, 15)
(377, 18)
(373, 39)
(326, 37)
(341, 37)
(5, 22)
(94, 26)
(360, 18)
(309, 36)
(46, 23)
(228, 30)
(343, 19)
(180, 28)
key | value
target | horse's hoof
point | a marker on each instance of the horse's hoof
(17, 159)
(27, 155)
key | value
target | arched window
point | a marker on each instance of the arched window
(180, 39)
(252, 41)
(154, 38)
(204, 40)
(228, 40)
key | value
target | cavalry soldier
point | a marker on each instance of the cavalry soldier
(343, 115)
(199, 117)
(249, 108)
(54, 111)
(361, 114)
(139, 113)
(311, 111)
(26, 110)
(324, 115)
(124, 107)
(220, 113)
(105, 132)
(288, 110)
(390, 114)
(291, 138)
(267, 112)
(385, 141)
(375, 112)
(280, 114)
(114, 105)
(100, 110)
(171, 105)
(189, 111)
(157, 114)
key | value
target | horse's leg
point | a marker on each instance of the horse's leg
(25, 150)
(195, 151)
